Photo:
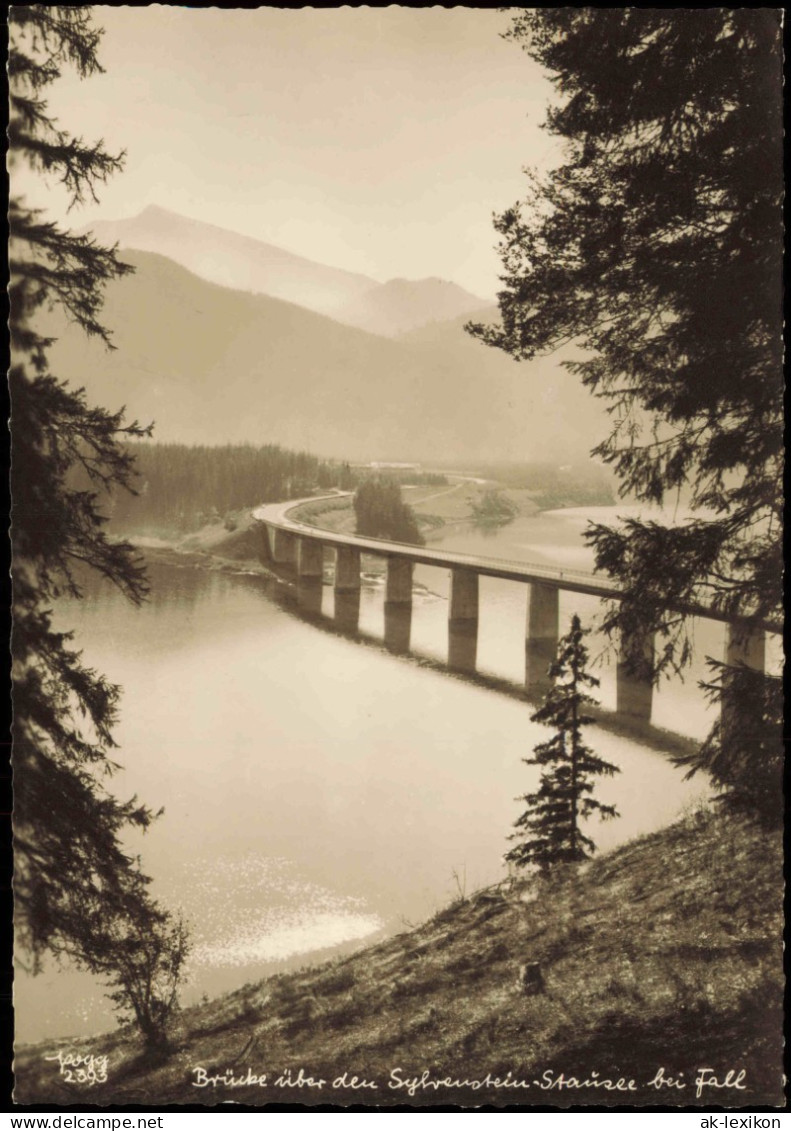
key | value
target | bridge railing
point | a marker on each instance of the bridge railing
(520, 564)
(298, 546)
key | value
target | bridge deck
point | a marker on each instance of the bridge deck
(574, 581)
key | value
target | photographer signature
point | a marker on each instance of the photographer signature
(81, 1068)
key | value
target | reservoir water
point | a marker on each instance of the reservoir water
(318, 790)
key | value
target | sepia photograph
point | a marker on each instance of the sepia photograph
(396, 412)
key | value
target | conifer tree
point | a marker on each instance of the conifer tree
(655, 247)
(381, 512)
(78, 892)
(549, 832)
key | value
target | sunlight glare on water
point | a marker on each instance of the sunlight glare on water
(317, 790)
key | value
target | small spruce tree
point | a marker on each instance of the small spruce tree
(548, 832)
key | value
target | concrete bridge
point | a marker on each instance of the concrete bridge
(299, 548)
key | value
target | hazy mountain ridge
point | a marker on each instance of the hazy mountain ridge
(247, 264)
(213, 365)
(234, 260)
(402, 305)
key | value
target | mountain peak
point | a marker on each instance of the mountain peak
(157, 210)
(244, 263)
(402, 305)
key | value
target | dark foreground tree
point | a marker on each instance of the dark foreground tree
(655, 247)
(549, 830)
(743, 754)
(77, 891)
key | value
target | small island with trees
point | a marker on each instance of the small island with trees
(380, 512)
(494, 509)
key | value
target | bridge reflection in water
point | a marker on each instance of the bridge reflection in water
(298, 553)
(306, 567)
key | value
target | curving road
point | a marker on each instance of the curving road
(577, 581)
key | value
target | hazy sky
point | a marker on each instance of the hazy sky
(375, 139)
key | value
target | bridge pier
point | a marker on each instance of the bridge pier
(310, 576)
(300, 554)
(744, 646)
(398, 589)
(541, 641)
(311, 558)
(398, 626)
(347, 569)
(347, 588)
(463, 620)
(398, 604)
(284, 547)
(635, 677)
(347, 610)
(264, 548)
(309, 595)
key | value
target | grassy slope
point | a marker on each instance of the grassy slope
(666, 952)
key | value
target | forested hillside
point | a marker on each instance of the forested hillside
(181, 487)
(210, 365)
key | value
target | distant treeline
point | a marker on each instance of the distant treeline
(410, 475)
(182, 487)
(381, 512)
